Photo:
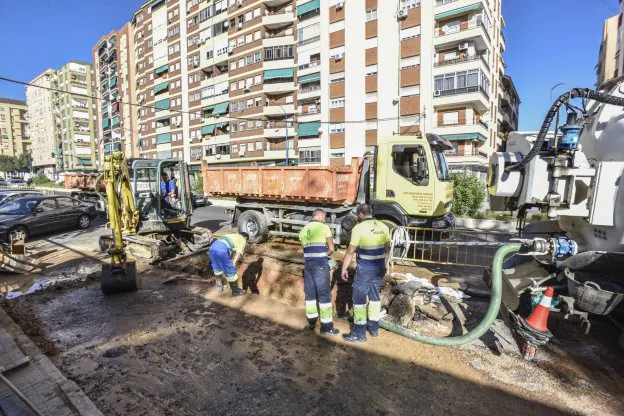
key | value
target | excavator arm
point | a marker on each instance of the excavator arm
(123, 217)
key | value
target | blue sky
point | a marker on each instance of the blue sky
(548, 41)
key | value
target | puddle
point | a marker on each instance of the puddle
(15, 286)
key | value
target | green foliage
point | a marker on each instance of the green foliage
(41, 180)
(198, 185)
(7, 164)
(23, 162)
(468, 194)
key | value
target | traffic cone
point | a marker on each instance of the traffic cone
(539, 317)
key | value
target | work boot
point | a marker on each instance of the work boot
(332, 332)
(353, 337)
(236, 291)
(373, 333)
(219, 285)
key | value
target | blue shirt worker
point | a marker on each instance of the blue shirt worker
(318, 243)
(370, 240)
(167, 187)
(221, 253)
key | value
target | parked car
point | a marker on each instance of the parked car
(3, 182)
(16, 183)
(198, 200)
(31, 215)
(7, 195)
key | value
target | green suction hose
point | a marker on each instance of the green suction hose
(484, 325)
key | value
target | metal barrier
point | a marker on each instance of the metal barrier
(474, 248)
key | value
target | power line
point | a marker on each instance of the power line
(200, 114)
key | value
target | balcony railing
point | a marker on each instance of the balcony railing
(310, 88)
(464, 90)
(463, 27)
(312, 64)
(308, 40)
(443, 2)
(461, 59)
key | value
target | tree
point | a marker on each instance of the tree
(7, 164)
(198, 185)
(468, 194)
(23, 162)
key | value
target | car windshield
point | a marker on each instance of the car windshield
(19, 206)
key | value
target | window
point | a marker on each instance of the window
(251, 146)
(311, 155)
(410, 32)
(371, 97)
(371, 70)
(257, 35)
(410, 162)
(256, 12)
(250, 103)
(257, 56)
(249, 59)
(258, 79)
(259, 126)
(233, 106)
(371, 43)
(337, 103)
(336, 26)
(241, 40)
(410, 91)
(248, 16)
(232, 65)
(278, 52)
(234, 148)
(337, 128)
(450, 117)
(47, 205)
(241, 62)
(65, 203)
(411, 62)
(465, 81)
(241, 84)
(410, 4)
(371, 14)
(258, 102)
(336, 77)
(248, 38)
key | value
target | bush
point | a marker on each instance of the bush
(468, 194)
(42, 180)
(198, 185)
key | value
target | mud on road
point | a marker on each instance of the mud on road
(180, 349)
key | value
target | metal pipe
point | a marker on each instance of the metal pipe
(486, 322)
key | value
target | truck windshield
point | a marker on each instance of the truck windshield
(439, 160)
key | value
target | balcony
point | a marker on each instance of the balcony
(278, 64)
(279, 87)
(471, 30)
(463, 59)
(275, 3)
(476, 95)
(273, 110)
(463, 126)
(309, 92)
(310, 68)
(278, 40)
(278, 20)
(279, 132)
(308, 117)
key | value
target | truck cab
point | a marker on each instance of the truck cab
(412, 184)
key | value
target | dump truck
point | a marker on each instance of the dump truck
(405, 180)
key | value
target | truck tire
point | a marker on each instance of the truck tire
(255, 224)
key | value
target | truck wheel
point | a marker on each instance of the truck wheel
(255, 224)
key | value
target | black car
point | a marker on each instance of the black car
(30, 215)
(7, 195)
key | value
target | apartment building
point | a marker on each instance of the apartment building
(235, 82)
(114, 64)
(606, 68)
(62, 119)
(508, 109)
(14, 133)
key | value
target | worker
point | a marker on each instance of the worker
(167, 187)
(221, 253)
(318, 244)
(370, 240)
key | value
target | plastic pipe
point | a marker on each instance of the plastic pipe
(488, 319)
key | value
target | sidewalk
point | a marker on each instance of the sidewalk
(35, 377)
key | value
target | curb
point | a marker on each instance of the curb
(78, 399)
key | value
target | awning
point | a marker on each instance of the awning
(208, 110)
(221, 108)
(308, 7)
(115, 121)
(208, 130)
(162, 69)
(112, 82)
(278, 73)
(163, 138)
(464, 136)
(459, 11)
(310, 78)
(107, 148)
(161, 87)
(309, 129)
(83, 161)
(106, 123)
(162, 105)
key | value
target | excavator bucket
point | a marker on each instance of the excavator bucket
(119, 279)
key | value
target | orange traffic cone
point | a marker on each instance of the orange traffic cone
(539, 317)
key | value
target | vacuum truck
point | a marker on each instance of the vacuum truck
(405, 180)
(576, 177)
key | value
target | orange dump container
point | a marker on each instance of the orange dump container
(333, 185)
(83, 181)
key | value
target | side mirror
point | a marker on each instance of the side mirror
(421, 168)
(39, 210)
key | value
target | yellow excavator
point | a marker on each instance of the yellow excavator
(149, 218)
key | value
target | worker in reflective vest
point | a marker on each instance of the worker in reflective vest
(221, 253)
(318, 244)
(370, 239)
